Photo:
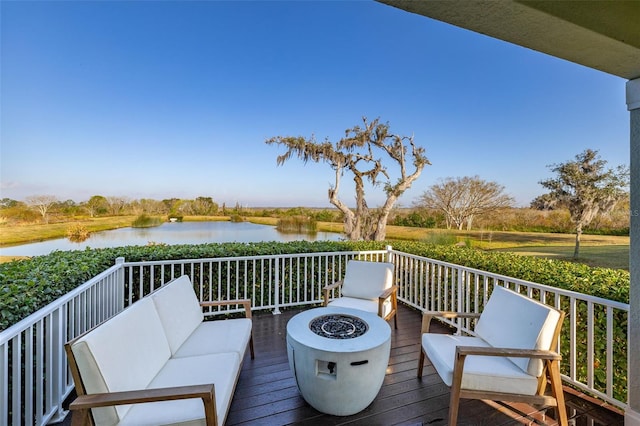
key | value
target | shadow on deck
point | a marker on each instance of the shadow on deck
(266, 393)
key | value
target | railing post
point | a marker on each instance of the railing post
(59, 370)
(389, 254)
(276, 283)
(120, 295)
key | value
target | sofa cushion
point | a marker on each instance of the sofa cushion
(367, 280)
(511, 320)
(231, 335)
(125, 353)
(219, 369)
(179, 310)
(487, 373)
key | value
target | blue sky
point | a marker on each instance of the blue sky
(175, 99)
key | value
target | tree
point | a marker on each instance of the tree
(462, 199)
(96, 205)
(43, 204)
(586, 188)
(356, 153)
(116, 204)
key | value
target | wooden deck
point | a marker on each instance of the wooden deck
(267, 394)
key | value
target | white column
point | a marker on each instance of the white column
(632, 415)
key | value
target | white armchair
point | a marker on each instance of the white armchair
(367, 286)
(511, 358)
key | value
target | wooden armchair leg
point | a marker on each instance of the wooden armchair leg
(395, 320)
(454, 403)
(251, 347)
(557, 392)
(81, 417)
(421, 363)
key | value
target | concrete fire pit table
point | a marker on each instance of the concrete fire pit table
(339, 357)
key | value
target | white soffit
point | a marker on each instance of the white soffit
(604, 35)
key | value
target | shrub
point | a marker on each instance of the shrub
(297, 224)
(77, 232)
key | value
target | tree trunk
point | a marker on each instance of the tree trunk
(576, 250)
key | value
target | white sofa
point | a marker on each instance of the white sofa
(160, 355)
(511, 357)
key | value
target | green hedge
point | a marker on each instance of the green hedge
(28, 285)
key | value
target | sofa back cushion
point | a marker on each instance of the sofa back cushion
(367, 280)
(179, 310)
(124, 353)
(511, 320)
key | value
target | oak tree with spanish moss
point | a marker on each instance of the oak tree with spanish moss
(359, 154)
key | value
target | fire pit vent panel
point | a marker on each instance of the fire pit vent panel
(338, 326)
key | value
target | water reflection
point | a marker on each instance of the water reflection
(170, 233)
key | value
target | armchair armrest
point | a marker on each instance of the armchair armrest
(327, 289)
(205, 392)
(508, 352)
(246, 303)
(428, 315)
(388, 292)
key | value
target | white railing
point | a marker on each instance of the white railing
(34, 377)
(594, 335)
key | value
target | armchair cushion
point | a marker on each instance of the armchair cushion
(367, 280)
(511, 320)
(486, 373)
(369, 305)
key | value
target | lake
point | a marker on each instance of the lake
(170, 233)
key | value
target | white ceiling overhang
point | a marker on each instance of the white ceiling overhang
(604, 35)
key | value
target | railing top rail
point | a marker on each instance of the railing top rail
(25, 323)
(569, 293)
(265, 256)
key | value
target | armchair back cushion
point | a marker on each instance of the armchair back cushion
(142, 350)
(179, 310)
(367, 280)
(511, 320)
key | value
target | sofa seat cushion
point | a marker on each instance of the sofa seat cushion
(218, 336)
(179, 310)
(220, 369)
(369, 305)
(487, 373)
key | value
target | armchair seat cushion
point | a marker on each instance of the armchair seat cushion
(369, 305)
(486, 373)
(217, 337)
(182, 372)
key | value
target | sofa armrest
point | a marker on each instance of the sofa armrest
(327, 289)
(246, 303)
(83, 403)
(428, 315)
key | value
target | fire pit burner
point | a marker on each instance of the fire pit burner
(338, 326)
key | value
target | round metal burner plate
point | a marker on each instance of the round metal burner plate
(338, 326)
